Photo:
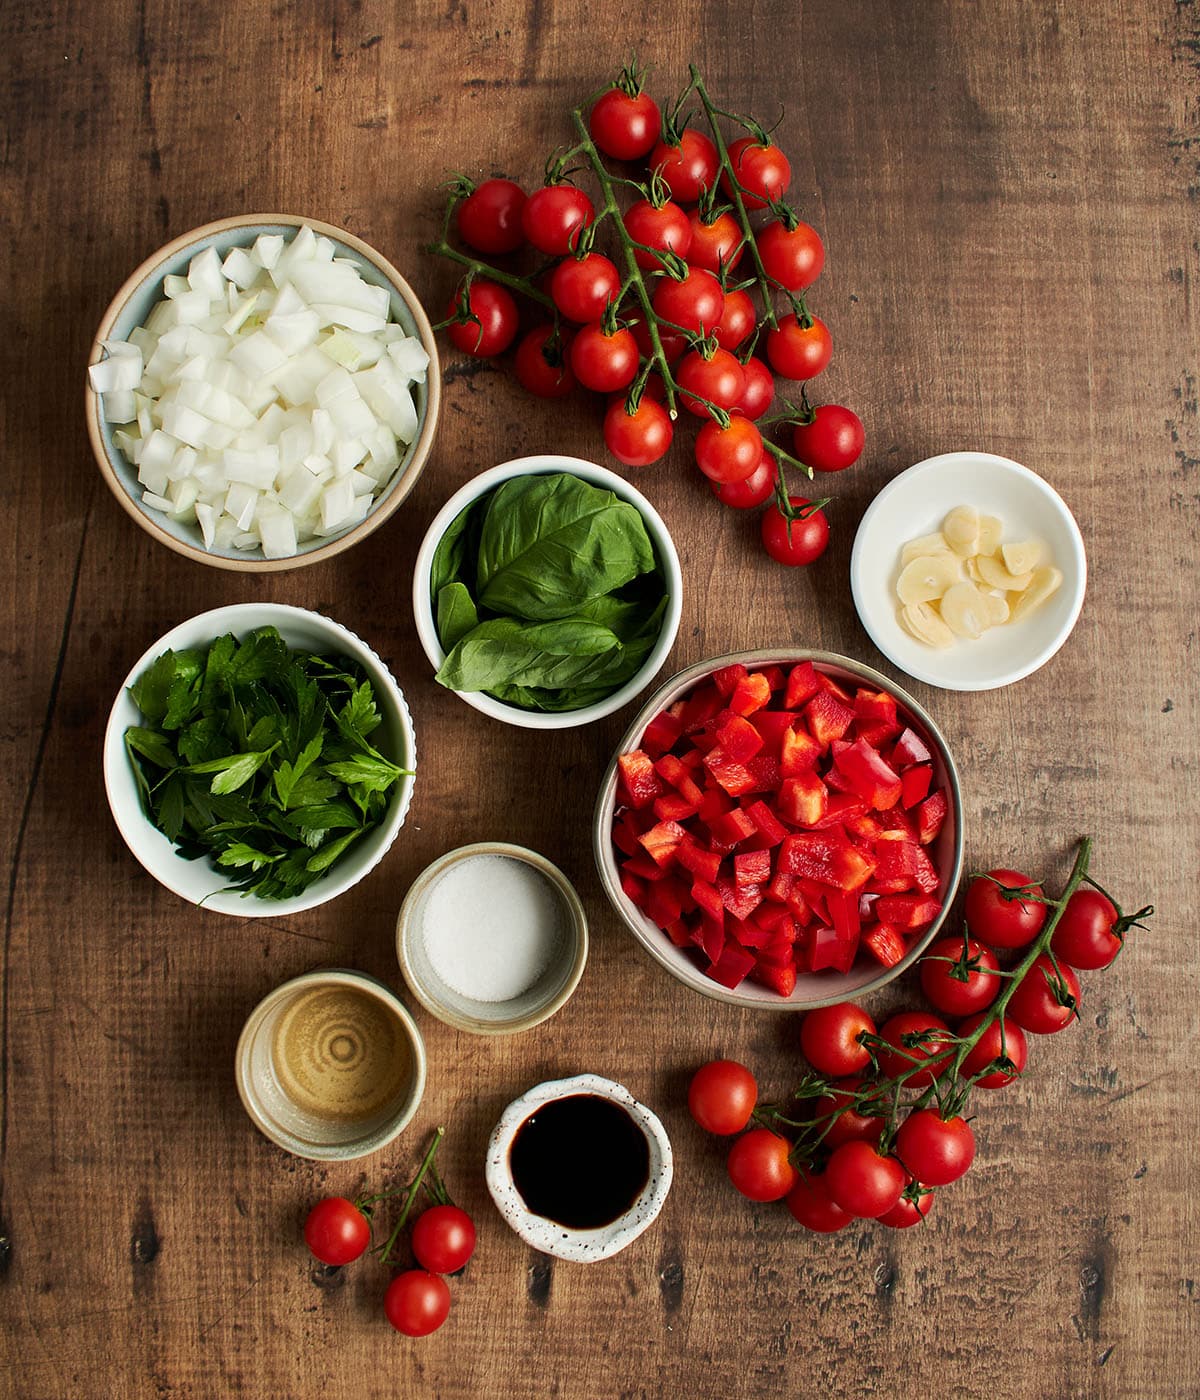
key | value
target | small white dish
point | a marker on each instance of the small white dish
(915, 503)
(581, 1246)
(664, 547)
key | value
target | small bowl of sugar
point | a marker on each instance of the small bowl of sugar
(492, 938)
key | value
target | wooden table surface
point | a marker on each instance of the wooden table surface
(1008, 194)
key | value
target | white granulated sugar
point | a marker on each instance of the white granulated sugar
(491, 925)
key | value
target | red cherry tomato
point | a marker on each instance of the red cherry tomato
(489, 219)
(688, 167)
(717, 244)
(947, 993)
(854, 1122)
(794, 257)
(1004, 921)
(831, 1039)
(811, 1204)
(443, 1239)
(336, 1231)
(1091, 931)
(718, 377)
(799, 352)
(738, 318)
(660, 226)
(553, 217)
(721, 1096)
(1003, 1045)
(763, 171)
(833, 440)
(417, 1302)
(795, 542)
(754, 490)
(495, 325)
(693, 303)
(1045, 1000)
(907, 1211)
(639, 438)
(604, 362)
(583, 287)
(925, 1054)
(624, 126)
(759, 392)
(863, 1182)
(674, 343)
(542, 365)
(729, 453)
(936, 1150)
(758, 1165)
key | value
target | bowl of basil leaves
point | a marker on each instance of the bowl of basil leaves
(259, 760)
(547, 592)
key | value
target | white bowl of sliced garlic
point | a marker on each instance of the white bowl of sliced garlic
(968, 571)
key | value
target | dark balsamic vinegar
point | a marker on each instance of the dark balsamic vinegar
(580, 1161)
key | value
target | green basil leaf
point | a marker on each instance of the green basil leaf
(456, 614)
(504, 651)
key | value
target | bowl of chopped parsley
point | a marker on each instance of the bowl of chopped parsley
(259, 760)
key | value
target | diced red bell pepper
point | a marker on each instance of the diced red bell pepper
(752, 868)
(910, 748)
(749, 934)
(895, 865)
(842, 807)
(897, 820)
(863, 826)
(644, 868)
(776, 919)
(867, 900)
(815, 894)
(765, 771)
(708, 899)
(843, 911)
(780, 886)
(662, 841)
(732, 966)
(680, 933)
(771, 726)
(869, 775)
(701, 705)
(674, 807)
(661, 733)
(634, 888)
(803, 801)
(727, 829)
(734, 777)
(626, 832)
(827, 717)
(875, 732)
(674, 771)
(927, 878)
(703, 864)
(640, 784)
(825, 856)
(779, 977)
(915, 783)
(752, 692)
(875, 705)
(739, 738)
(664, 901)
(907, 912)
(930, 815)
(740, 900)
(798, 753)
(885, 943)
(776, 677)
(770, 828)
(709, 936)
(714, 802)
(835, 688)
(727, 677)
(837, 781)
(828, 949)
(798, 904)
(803, 683)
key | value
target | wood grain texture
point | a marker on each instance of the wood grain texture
(1009, 197)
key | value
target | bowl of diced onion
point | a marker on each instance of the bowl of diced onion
(263, 392)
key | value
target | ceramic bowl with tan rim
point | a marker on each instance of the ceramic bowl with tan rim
(134, 303)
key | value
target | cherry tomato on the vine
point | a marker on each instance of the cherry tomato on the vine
(336, 1231)
(854, 1120)
(489, 219)
(694, 303)
(1004, 921)
(758, 487)
(604, 362)
(1090, 932)
(716, 244)
(658, 226)
(639, 438)
(624, 126)
(758, 1165)
(1003, 1040)
(554, 216)
(443, 1239)
(759, 392)
(925, 1056)
(907, 1211)
(721, 1096)
(738, 318)
(495, 325)
(1046, 1000)
(936, 1150)
(688, 167)
(794, 257)
(583, 287)
(417, 1302)
(718, 377)
(831, 1039)
(763, 171)
(731, 452)
(674, 343)
(795, 542)
(862, 1181)
(799, 352)
(542, 365)
(945, 990)
(833, 440)
(811, 1204)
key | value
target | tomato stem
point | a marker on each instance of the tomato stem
(410, 1194)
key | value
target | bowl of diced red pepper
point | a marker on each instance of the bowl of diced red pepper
(781, 829)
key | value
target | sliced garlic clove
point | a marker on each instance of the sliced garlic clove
(971, 567)
(995, 575)
(1044, 582)
(926, 545)
(927, 578)
(1022, 557)
(961, 529)
(990, 532)
(997, 608)
(965, 611)
(922, 622)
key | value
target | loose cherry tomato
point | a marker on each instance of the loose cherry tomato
(658, 226)
(718, 377)
(495, 325)
(1092, 930)
(717, 244)
(831, 1039)
(799, 352)
(936, 1150)
(624, 125)
(754, 490)
(721, 1096)
(763, 171)
(854, 1122)
(639, 438)
(553, 217)
(909, 1209)
(583, 287)
(758, 1165)
(794, 257)
(542, 365)
(945, 990)
(729, 453)
(489, 219)
(1003, 920)
(738, 318)
(1045, 1000)
(604, 362)
(688, 167)
(863, 1182)
(811, 1204)
(759, 392)
(928, 1033)
(795, 542)
(693, 303)
(417, 1302)
(833, 440)
(336, 1231)
(443, 1239)
(1003, 1041)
